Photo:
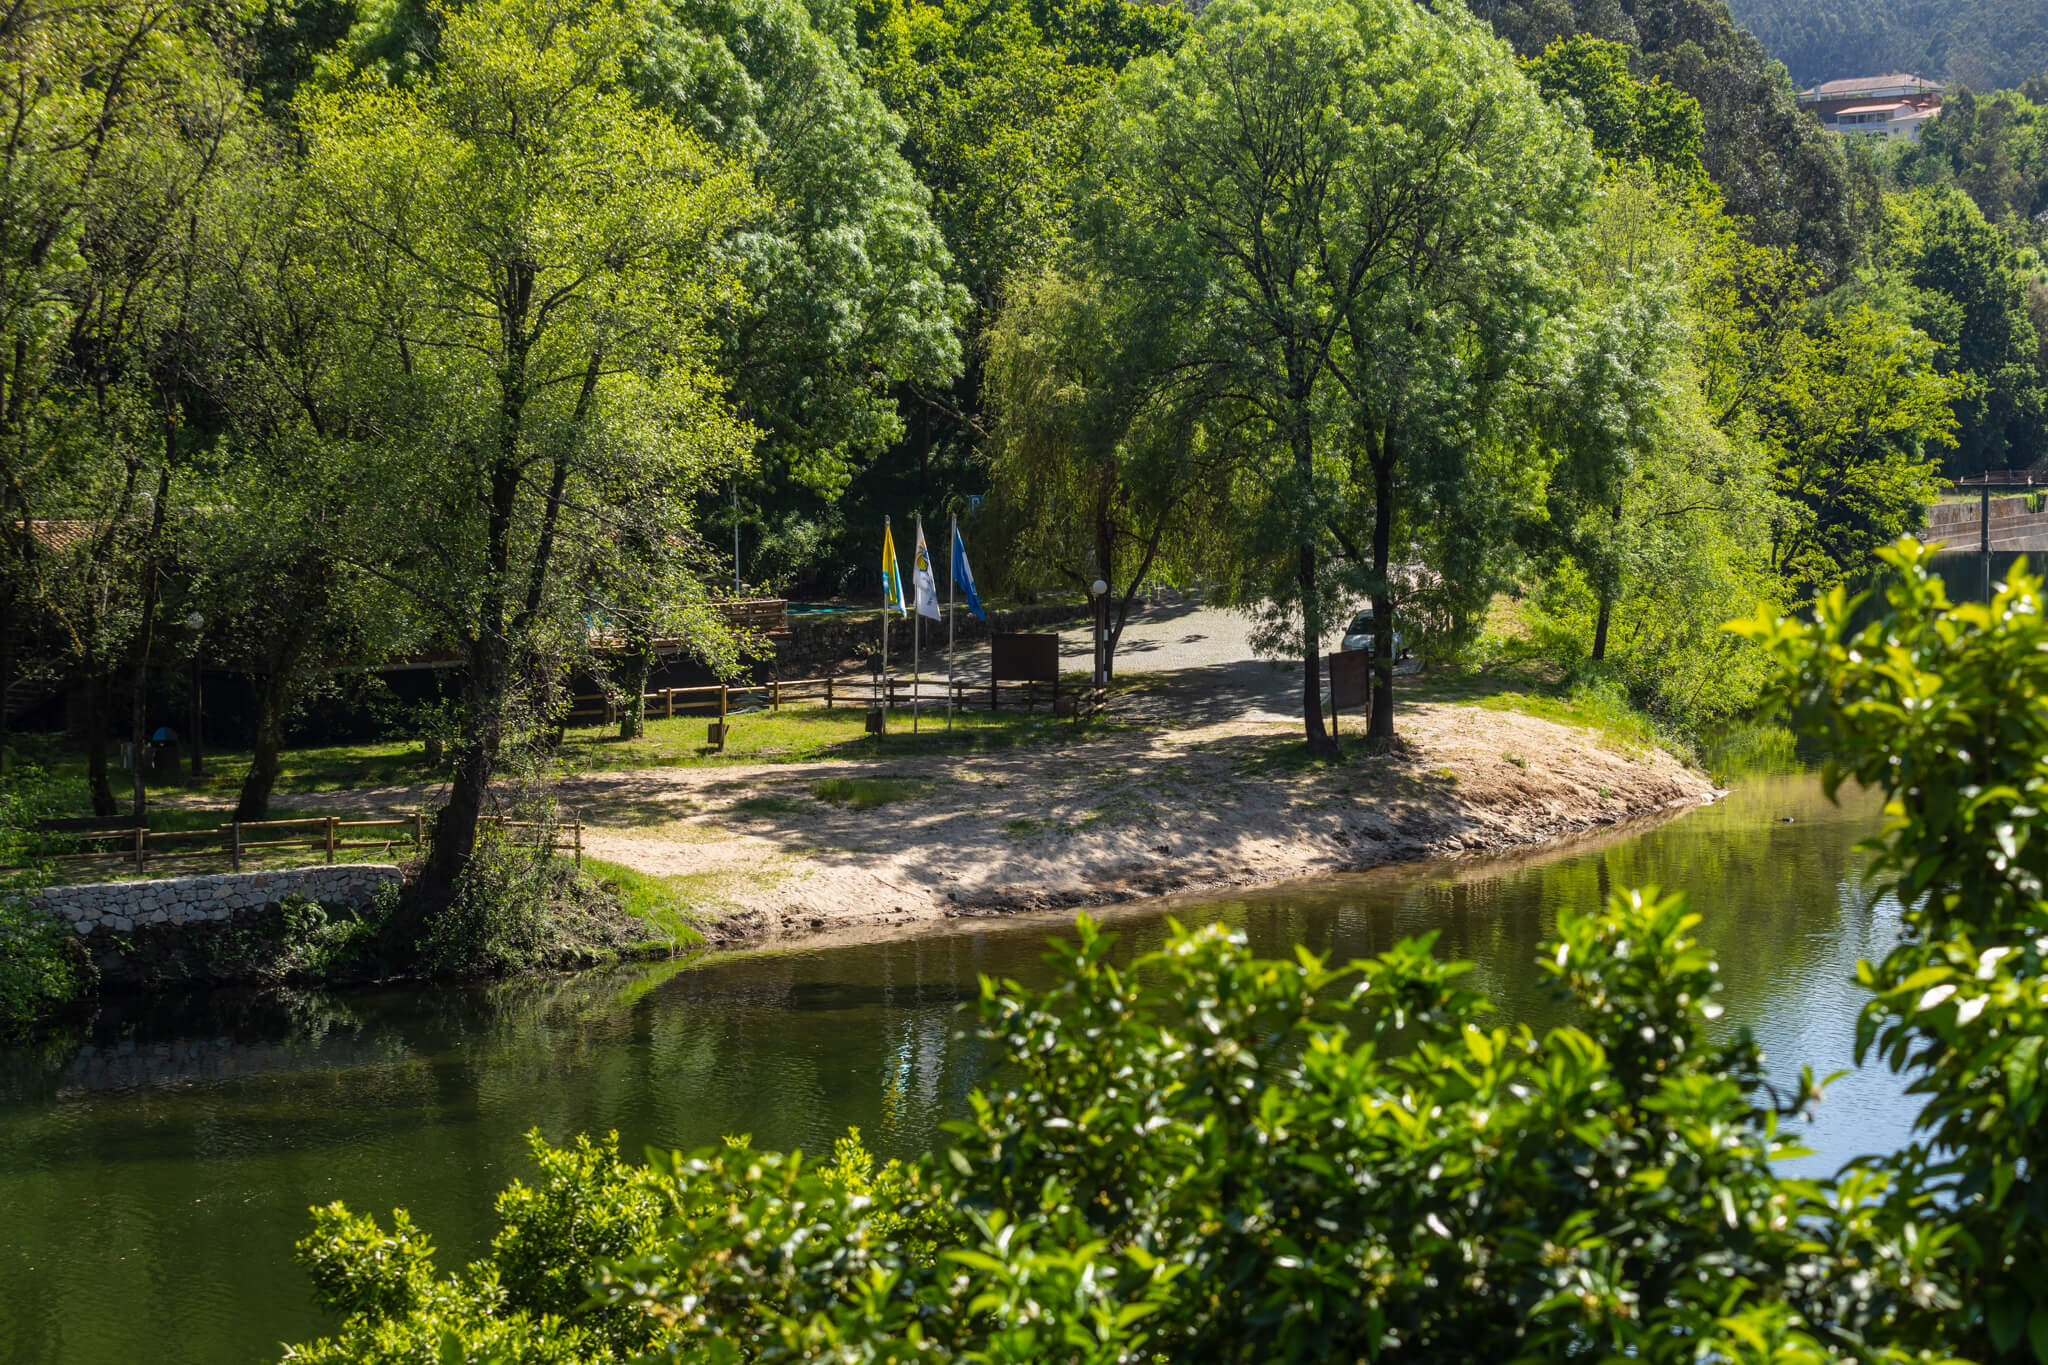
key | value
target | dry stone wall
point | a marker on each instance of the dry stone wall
(119, 907)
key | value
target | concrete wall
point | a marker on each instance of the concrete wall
(118, 907)
(1959, 526)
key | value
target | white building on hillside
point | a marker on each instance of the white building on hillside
(1894, 107)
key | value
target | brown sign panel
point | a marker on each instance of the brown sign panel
(1350, 679)
(1024, 658)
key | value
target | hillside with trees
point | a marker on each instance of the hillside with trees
(1984, 44)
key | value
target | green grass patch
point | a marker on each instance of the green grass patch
(666, 905)
(796, 735)
(1602, 709)
(866, 793)
(767, 805)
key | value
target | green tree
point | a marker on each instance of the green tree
(124, 118)
(1945, 248)
(1629, 120)
(1102, 466)
(1777, 171)
(528, 255)
(1352, 214)
(843, 271)
(1852, 416)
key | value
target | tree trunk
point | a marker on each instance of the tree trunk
(273, 698)
(99, 720)
(146, 634)
(639, 667)
(1382, 723)
(1320, 741)
(1600, 626)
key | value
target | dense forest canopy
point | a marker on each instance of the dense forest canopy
(1672, 351)
(1984, 44)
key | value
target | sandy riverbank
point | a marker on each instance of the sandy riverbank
(1123, 816)
(1127, 813)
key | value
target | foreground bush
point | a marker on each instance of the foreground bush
(1212, 1157)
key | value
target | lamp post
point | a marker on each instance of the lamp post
(1100, 590)
(197, 623)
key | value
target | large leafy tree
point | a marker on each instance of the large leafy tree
(1974, 299)
(846, 296)
(527, 255)
(122, 120)
(1853, 414)
(1356, 214)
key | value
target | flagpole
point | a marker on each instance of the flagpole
(916, 626)
(885, 623)
(952, 600)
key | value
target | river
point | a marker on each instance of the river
(154, 1178)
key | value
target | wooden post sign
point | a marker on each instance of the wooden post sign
(1350, 682)
(1025, 659)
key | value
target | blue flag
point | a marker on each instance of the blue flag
(963, 577)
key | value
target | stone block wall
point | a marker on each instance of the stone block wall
(122, 906)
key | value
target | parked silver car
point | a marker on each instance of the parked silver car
(1363, 630)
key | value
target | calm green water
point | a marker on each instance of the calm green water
(153, 1181)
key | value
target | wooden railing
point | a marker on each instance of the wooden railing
(320, 834)
(720, 700)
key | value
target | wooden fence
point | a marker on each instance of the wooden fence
(721, 700)
(322, 834)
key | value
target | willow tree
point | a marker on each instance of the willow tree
(527, 253)
(1101, 460)
(1363, 207)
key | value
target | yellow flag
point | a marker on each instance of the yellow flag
(892, 577)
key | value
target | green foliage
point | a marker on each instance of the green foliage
(1852, 414)
(1356, 377)
(39, 970)
(1783, 178)
(1982, 43)
(588, 1215)
(1976, 305)
(1993, 147)
(1629, 120)
(1208, 1156)
(1939, 705)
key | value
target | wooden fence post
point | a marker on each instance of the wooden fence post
(669, 696)
(419, 830)
(141, 845)
(828, 691)
(330, 840)
(235, 845)
(724, 708)
(579, 840)
(774, 694)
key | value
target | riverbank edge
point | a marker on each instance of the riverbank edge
(1466, 782)
(735, 934)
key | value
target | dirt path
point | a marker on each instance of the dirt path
(1128, 814)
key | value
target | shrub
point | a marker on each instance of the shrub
(38, 970)
(1945, 707)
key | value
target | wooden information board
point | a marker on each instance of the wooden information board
(1024, 658)
(1350, 680)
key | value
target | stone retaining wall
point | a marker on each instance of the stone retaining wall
(122, 906)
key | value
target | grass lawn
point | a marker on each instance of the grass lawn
(664, 904)
(795, 735)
